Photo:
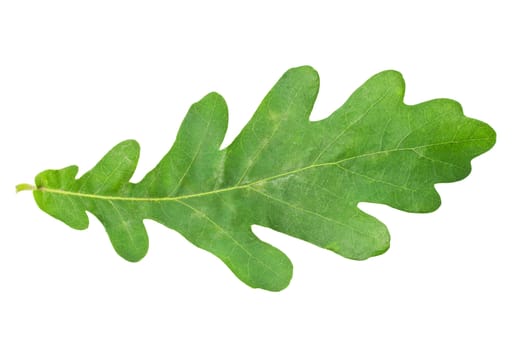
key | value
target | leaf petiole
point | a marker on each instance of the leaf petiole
(25, 187)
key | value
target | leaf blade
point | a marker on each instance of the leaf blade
(282, 171)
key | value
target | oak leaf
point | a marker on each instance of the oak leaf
(282, 171)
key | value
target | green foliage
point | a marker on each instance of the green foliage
(298, 177)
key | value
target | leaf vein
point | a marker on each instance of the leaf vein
(233, 188)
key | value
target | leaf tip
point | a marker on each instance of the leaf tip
(213, 100)
(132, 145)
(304, 70)
(491, 135)
(213, 97)
(391, 76)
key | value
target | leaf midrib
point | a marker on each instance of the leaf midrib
(248, 185)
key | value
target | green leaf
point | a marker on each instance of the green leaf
(282, 171)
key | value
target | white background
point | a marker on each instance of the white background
(78, 77)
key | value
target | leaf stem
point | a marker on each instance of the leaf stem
(25, 187)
